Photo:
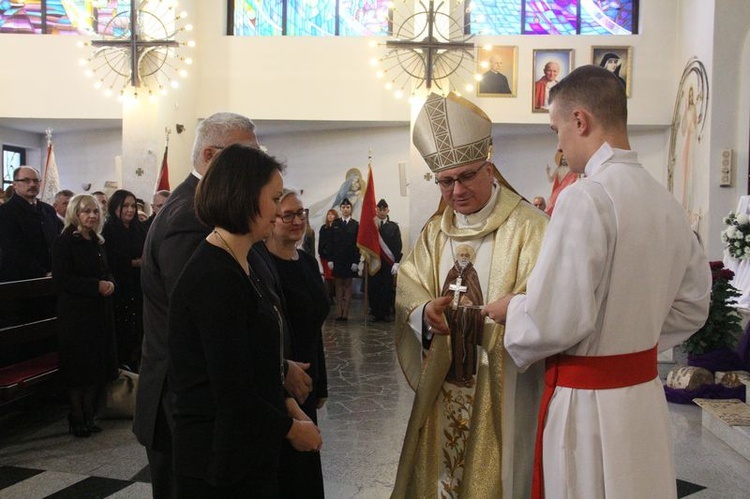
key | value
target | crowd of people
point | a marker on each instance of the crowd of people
(508, 321)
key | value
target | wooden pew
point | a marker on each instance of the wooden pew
(28, 337)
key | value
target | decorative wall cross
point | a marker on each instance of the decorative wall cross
(137, 45)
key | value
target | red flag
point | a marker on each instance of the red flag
(162, 181)
(368, 237)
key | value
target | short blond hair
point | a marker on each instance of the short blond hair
(76, 204)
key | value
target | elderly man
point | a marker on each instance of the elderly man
(28, 228)
(601, 301)
(493, 81)
(540, 203)
(544, 84)
(60, 203)
(157, 202)
(472, 423)
(171, 241)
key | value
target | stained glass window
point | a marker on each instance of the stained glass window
(309, 17)
(59, 17)
(552, 17)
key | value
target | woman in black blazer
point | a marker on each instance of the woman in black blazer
(86, 334)
(226, 345)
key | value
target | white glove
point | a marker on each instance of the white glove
(355, 267)
(330, 265)
(394, 269)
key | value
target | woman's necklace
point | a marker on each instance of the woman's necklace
(231, 251)
(257, 288)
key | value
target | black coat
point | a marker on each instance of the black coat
(391, 234)
(171, 240)
(27, 233)
(225, 373)
(170, 243)
(307, 303)
(86, 335)
(325, 242)
(344, 243)
(125, 244)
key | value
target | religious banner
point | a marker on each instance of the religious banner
(51, 179)
(368, 236)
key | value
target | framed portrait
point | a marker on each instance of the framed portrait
(618, 60)
(550, 66)
(498, 68)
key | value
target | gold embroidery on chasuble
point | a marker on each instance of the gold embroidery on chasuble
(454, 442)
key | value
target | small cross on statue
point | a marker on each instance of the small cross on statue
(457, 290)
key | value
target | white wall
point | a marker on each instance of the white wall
(729, 116)
(87, 157)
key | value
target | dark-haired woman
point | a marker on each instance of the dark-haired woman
(125, 236)
(226, 343)
(86, 334)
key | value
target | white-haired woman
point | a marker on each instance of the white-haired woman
(86, 334)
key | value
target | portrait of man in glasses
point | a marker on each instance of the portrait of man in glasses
(28, 226)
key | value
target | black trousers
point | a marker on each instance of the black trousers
(381, 294)
(160, 458)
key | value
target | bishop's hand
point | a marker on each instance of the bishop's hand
(434, 316)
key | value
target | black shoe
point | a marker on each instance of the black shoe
(77, 428)
(91, 426)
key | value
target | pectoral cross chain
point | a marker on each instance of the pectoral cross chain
(457, 290)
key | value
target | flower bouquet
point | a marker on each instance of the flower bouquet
(736, 236)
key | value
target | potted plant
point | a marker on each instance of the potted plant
(713, 346)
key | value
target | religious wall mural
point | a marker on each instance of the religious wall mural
(352, 187)
(688, 120)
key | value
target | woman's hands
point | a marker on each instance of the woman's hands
(303, 435)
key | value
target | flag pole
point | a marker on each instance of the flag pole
(366, 276)
(48, 134)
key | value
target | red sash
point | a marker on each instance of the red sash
(588, 373)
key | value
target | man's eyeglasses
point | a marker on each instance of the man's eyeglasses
(464, 179)
(288, 218)
(28, 180)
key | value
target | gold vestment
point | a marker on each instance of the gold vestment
(518, 229)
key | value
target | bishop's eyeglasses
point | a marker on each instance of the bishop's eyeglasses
(464, 179)
(288, 218)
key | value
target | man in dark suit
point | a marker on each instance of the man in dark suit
(380, 286)
(493, 81)
(28, 228)
(171, 240)
(345, 263)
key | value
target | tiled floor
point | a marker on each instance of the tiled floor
(363, 425)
